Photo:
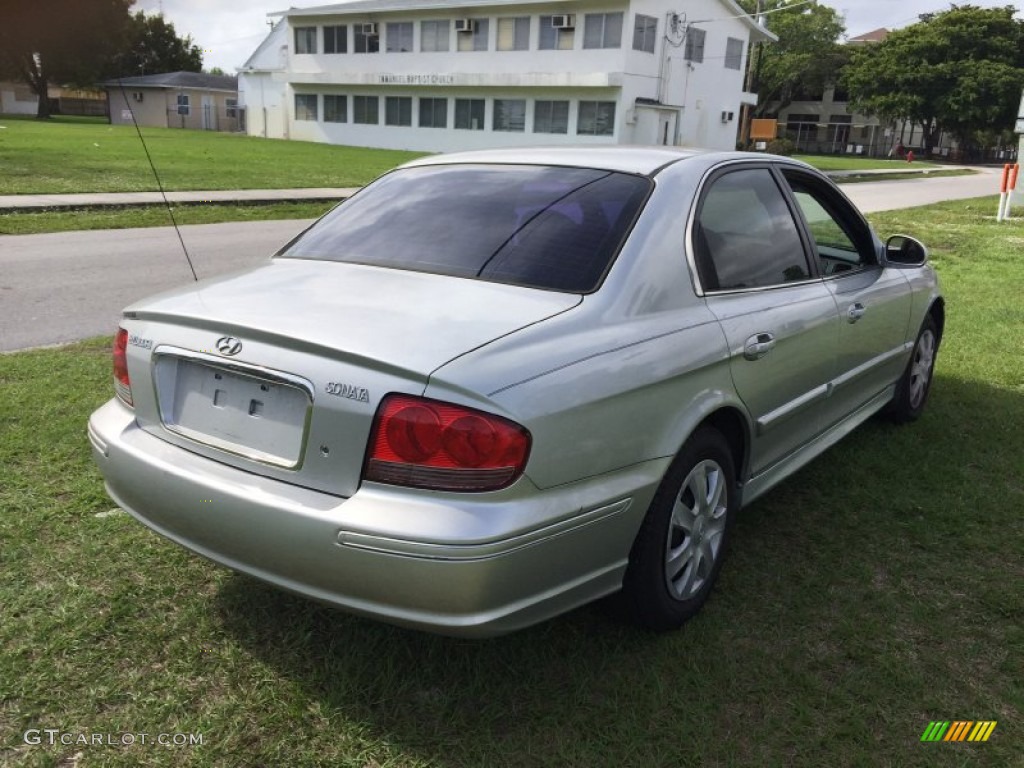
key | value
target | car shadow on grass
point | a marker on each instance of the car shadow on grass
(828, 621)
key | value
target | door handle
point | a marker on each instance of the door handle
(855, 312)
(758, 346)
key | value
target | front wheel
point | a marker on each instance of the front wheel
(679, 550)
(913, 387)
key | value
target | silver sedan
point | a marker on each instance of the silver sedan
(494, 386)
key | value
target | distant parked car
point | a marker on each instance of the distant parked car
(494, 386)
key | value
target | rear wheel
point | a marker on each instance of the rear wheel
(679, 550)
(913, 387)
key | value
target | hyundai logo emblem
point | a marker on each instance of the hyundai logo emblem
(229, 345)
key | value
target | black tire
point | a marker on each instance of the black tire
(916, 382)
(670, 575)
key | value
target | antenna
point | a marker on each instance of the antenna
(159, 184)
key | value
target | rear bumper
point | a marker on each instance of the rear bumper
(473, 564)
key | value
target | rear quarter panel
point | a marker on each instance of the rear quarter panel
(621, 379)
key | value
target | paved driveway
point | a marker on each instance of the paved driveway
(66, 286)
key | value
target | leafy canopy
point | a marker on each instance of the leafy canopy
(806, 58)
(154, 47)
(81, 42)
(59, 41)
(960, 71)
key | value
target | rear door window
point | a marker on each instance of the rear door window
(745, 235)
(535, 226)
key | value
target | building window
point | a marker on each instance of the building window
(305, 106)
(305, 39)
(335, 108)
(510, 115)
(475, 40)
(231, 107)
(469, 114)
(433, 113)
(365, 110)
(733, 53)
(399, 37)
(514, 34)
(336, 39)
(645, 33)
(694, 50)
(554, 38)
(551, 117)
(183, 104)
(398, 110)
(596, 118)
(602, 30)
(367, 38)
(434, 35)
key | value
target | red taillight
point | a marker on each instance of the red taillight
(429, 444)
(122, 384)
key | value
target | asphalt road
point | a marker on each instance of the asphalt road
(67, 286)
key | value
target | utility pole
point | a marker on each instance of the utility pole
(746, 114)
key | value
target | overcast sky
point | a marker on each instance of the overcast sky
(228, 31)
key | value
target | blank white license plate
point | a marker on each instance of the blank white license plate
(259, 418)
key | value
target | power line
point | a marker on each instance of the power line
(762, 13)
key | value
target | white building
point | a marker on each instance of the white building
(443, 75)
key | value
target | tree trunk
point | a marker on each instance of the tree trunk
(35, 76)
(930, 132)
(43, 110)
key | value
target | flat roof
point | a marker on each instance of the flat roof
(364, 7)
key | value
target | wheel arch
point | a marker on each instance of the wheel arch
(733, 425)
(937, 311)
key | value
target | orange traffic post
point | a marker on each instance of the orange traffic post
(1011, 185)
(1002, 191)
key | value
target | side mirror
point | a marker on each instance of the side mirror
(904, 250)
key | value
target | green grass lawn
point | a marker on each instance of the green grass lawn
(63, 156)
(113, 217)
(853, 163)
(876, 590)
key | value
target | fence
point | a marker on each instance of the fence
(207, 117)
(869, 140)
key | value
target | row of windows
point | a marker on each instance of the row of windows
(593, 118)
(600, 30)
(185, 107)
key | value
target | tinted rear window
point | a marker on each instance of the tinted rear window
(542, 227)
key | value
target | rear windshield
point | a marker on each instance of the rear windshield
(541, 227)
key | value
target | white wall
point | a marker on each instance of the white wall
(17, 99)
(619, 74)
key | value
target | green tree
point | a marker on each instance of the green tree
(806, 58)
(959, 71)
(154, 47)
(59, 41)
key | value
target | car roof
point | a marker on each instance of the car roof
(639, 160)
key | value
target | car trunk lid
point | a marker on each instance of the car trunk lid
(280, 369)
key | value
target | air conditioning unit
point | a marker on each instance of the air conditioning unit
(137, 95)
(369, 29)
(465, 25)
(565, 21)
(727, 117)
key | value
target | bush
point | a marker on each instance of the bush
(781, 147)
